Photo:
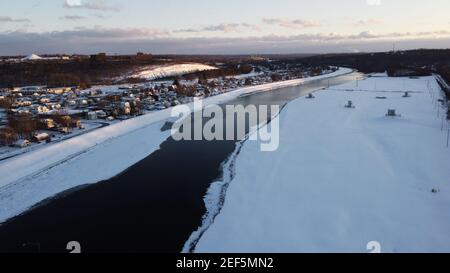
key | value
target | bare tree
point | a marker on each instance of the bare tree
(24, 124)
(7, 136)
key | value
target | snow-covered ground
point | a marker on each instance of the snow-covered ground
(32, 177)
(341, 177)
(171, 70)
(245, 76)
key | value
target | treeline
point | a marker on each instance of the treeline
(381, 62)
(19, 126)
(444, 71)
(78, 72)
(229, 70)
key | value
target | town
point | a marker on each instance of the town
(32, 116)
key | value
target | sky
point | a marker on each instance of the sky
(221, 27)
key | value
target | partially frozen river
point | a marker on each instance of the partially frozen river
(154, 206)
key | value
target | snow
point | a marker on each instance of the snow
(341, 177)
(32, 57)
(101, 154)
(171, 70)
(245, 76)
(443, 82)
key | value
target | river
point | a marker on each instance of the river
(154, 206)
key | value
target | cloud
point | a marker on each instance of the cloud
(293, 24)
(73, 17)
(227, 28)
(8, 19)
(90, 5)
(223, 27)
(373, 2)
(107, 33)
(369, 22)
(125, 41)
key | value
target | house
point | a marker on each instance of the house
(126, 108)
(71, 103)
(76, 123)
(59, 90)
(91, 115)
(82, 102)
(41, 109)
(30, 90)
(44, 100)
(48, 123)
(41, 137)
(64, 130)
(101, 114)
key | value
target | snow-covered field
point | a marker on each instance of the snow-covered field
(171, 70)
(32, 177)
(245, 76)
(342, 177)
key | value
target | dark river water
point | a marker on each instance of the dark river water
(153, 206)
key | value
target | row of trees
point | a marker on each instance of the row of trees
(380, 62)
(25, 125)
(6, 103)
(78, 72)
(69, 79)
(19, 126)
(232, 70)
(7, 136)
(444, 71)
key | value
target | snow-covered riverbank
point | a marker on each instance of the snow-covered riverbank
(342, 177)
(30, 178)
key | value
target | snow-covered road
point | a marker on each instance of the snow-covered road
(342, 177)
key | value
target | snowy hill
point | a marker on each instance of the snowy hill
(171, 70)
(342, 177)
(32, 57)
